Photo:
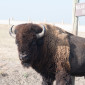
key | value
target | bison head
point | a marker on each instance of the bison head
(29, 39)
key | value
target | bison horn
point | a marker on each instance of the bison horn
(12, 31)
(39, 35)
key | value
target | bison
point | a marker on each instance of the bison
(54, 53)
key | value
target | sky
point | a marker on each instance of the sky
(54, 11)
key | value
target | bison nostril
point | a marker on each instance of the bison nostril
(22, 56)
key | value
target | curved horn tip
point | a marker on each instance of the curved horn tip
(39, 35)
(11, 31)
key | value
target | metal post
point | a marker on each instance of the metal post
(75, 26)
(73, 80)
(75, 18)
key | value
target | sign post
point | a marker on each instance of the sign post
(75, 27)
(75, 18)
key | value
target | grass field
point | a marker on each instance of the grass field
(11, 70)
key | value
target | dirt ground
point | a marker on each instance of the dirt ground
(11, 70)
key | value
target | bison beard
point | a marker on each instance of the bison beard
(48, 55)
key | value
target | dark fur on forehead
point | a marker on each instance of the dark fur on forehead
(36, 28)
(31, 27)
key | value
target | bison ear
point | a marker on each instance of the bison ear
(36, 28)
(39, 30)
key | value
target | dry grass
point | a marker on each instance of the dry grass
(11, 71)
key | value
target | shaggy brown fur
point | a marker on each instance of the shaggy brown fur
(48, 55)
(58, 44)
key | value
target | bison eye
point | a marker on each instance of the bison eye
(33, 43)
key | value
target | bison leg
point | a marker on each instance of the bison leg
(63, 78)
(47, 81)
